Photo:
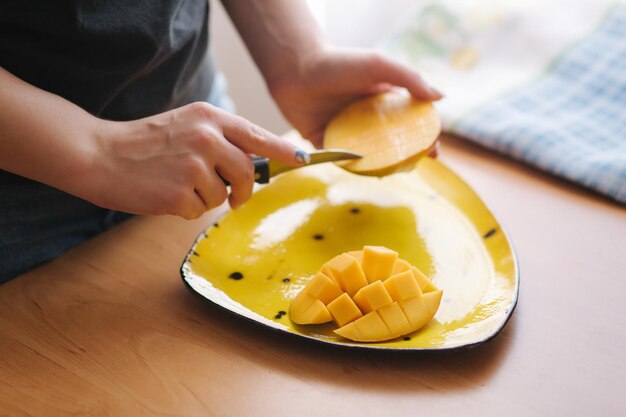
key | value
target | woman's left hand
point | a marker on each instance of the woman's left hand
(328, 79)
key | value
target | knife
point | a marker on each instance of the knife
(264, 168)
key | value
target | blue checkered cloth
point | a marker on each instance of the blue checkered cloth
(570, 122)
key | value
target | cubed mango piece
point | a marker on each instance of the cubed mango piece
(356, 254)
(317, 313)
(372, 297)
(350, 331)
(402, 286)
(395, 320)
(323, 287)
(425, 284)
(378, 262)
(415, 311)
(298, 307)
(371, 328)
(432, 300)
(400, 266)
(344, 310)
(346, 271)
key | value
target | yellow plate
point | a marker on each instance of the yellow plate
(256, 259)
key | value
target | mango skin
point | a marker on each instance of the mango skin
(391, 306)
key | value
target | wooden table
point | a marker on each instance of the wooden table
(109, 328)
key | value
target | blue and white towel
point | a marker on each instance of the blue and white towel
(541, 81)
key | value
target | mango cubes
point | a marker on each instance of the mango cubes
(370, 294)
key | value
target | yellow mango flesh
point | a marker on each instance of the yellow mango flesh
(415, 311)
(401, 266)
(372, 297)
(369, 328)
(425, 284)
(309, 310)
(323, 288)
(357, 254)
(398, 302)
(299, 305)
(402, 286)
(433, 301)
(346, 271)
(392, 131)
(395, 319)
(378, 262)
(344, 310)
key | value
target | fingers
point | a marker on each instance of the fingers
(210, 188)
(253, 139)
(191, 207)
(224, 143)
(380, 88)
(384, 70)
(236, 167)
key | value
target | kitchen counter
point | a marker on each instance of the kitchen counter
(109, 328)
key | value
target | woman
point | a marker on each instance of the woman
(103, 111)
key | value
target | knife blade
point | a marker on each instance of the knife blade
(264, 168)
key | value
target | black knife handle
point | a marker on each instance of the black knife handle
(261, 170)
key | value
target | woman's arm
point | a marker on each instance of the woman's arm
(44, 137)
(310, 80)
(278, 33)
(169, 163)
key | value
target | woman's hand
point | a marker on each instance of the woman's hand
(171, 163)
(328, 79)
(310, 81)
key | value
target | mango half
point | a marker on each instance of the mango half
(371, 294)
(392, 131)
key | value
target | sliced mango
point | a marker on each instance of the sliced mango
(344, 310)
(392, 131)
(320, 288)
(323, 288)
(402, 286)
(299, 306)
(370, 294)
(394, 318)
(350, 331)
(369, 328)
(372, 297)
(316, 313)
(415, 311)
(401, 266)
(432, 300)
(425, 284)
(378, 262)
(356, 254)
(346, 271)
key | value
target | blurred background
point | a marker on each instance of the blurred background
(359, 23)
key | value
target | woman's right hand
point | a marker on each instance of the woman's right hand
(171, 163)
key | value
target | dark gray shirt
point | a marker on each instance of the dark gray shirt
(117, 59)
